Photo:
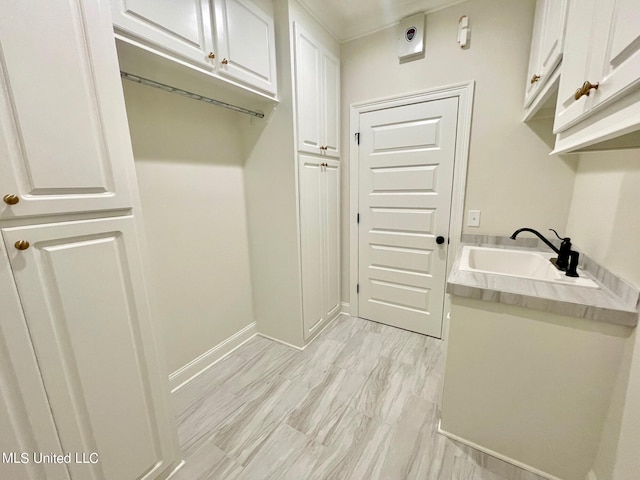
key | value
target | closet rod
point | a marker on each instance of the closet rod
(184, 93)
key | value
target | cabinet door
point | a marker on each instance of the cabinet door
(547, 44)
(246, 44)
(59, 62)
(605, 49)
(617, 27)
(311, 224)
(83, 297)
(24, 408)
(552, 41)
(181, 27)
(331, 238)
(533, 73)
(331, 104)
(308, 92)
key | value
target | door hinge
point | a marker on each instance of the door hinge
(358, 137)
(358, 218)
(357, 288)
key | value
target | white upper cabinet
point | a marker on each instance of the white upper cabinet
(180, 28)
(230, 39)
(331, 104)
(246, 44)
(317, 73)
(77, 83)
(547, 45)
(602, 66)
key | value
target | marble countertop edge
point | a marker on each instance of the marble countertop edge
(601, 305)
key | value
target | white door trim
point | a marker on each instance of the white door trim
(464, 92)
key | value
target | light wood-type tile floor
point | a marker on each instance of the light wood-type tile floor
(358, 404)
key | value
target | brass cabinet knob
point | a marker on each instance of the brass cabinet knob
(224, 61)
(11, 199)
(211, 55)
(585, 89)
(22, 244)
(535, 78)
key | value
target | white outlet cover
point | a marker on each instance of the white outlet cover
(473, 219)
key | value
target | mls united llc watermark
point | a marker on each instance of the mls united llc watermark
(39, 457)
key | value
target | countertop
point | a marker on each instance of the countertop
(616, 301)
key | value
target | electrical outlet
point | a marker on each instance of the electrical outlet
(473, 219)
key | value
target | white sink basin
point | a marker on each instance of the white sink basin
(518, 263)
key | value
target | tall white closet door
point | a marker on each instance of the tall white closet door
(61, 105)
(83, 298)
(331, 104)
(311, 220)
(24, 408)
(331, 237)
(308, 92)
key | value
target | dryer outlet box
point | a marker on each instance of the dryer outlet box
(411, 37)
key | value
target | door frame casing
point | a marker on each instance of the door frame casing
(464, 93)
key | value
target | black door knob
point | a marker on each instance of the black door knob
(440, 240)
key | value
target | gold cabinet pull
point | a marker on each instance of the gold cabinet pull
(585, 89)
(224, 61)
(211, 55)
(535, 78)
(11, 199)
(22, 245)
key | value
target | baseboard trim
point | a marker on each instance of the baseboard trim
(497, 455)
(301, 349)
(191, 370)
(346, 309)
(282, 342)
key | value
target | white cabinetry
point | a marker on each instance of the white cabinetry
(180, 28)
(56, 110)
(245, 43)
(317, 88)
(317, 74)
(232, 39)
(75, 319)
(547, 47)
(603, 49)
(320, 239)
(26, 423)
(82, 293)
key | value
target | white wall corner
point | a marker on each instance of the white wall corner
(346, 309)
(591, 476)
(196, 367)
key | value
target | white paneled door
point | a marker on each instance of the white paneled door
(320, 240)
(405, 182)
(245, 38)
(60, 105)
(181, 27)
(80, 284)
